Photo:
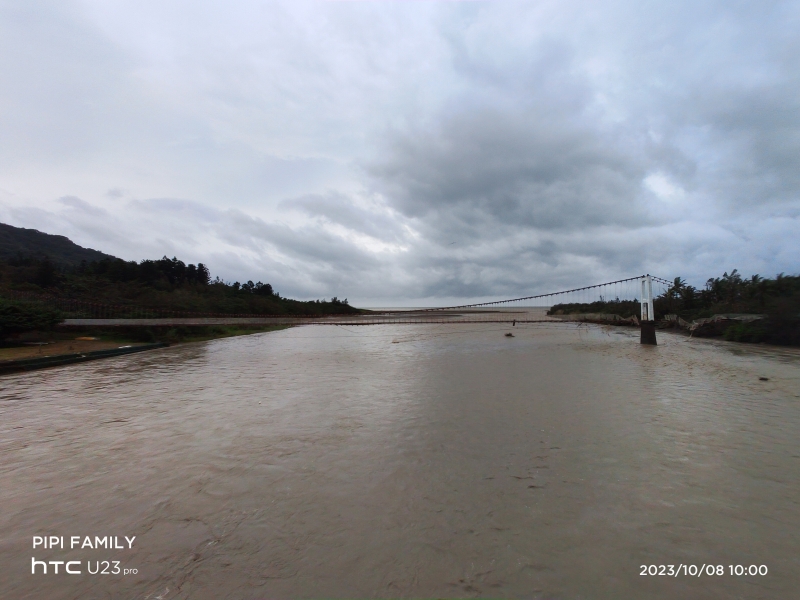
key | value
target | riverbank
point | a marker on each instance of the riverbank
(57, 360)
(79, 346)
(57, 347)
(169, 334)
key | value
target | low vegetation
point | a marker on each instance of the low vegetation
(169, 335)
(19, 317)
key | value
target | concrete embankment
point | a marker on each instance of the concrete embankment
(30, 364)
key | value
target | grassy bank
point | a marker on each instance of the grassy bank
(71, 340)
(169, 335)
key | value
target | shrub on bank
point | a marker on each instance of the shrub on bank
(20, 317)
(782, 332)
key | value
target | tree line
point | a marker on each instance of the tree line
(733, 293)
(166, 284)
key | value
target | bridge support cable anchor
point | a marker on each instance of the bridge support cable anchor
(648, 323)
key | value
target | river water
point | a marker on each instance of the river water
(407, 461)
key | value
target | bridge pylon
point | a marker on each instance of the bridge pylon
(648, 323)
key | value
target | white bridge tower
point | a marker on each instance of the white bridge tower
(648, 322)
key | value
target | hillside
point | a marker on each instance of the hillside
(30, 243)
(56, 273)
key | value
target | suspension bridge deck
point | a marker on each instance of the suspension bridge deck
(526, 309)
(395, 318)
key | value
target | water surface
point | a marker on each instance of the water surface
(408, 461)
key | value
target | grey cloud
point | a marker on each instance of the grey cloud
(520, 169)
(409, 150)
(761, 132)
(64, 85)
(82, 206)
(177, 208)
(338, 208)
(309, 243)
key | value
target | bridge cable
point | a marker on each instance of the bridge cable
(580, 289)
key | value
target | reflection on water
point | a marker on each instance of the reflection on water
(414, 461)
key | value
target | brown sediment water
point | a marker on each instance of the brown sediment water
(408, 461)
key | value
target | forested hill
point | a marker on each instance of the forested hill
(50, 269)
(16, 242)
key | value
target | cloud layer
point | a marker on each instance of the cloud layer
(408, 152)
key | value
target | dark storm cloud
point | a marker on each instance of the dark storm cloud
(758, 133)
(702, 136)
(415, 150)
(489, 167)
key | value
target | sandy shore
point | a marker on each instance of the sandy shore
(60, 347)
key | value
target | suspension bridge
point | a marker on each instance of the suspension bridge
(642, 289)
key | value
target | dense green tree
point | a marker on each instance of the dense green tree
(17, 317)
(155, 287)
(46, 273)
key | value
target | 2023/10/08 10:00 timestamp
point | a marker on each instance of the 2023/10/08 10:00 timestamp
(703, 571)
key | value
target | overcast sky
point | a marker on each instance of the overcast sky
(409, 152)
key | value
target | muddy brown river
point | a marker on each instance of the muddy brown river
(406, 461)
